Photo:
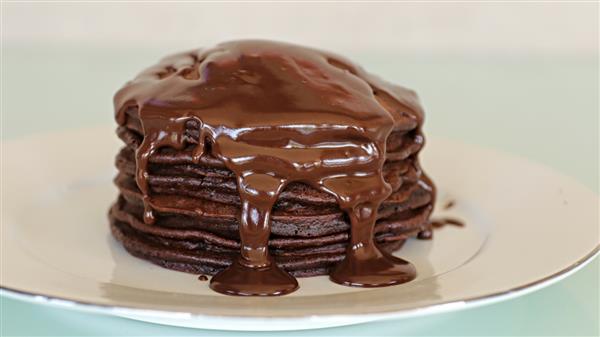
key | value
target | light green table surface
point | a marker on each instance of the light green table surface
(544, 107)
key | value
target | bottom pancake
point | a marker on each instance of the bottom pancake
(192, 257)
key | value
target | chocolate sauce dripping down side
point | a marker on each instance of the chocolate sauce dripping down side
(277, 113)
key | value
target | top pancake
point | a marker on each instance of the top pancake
(259, 85)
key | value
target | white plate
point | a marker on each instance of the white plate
(526, 227)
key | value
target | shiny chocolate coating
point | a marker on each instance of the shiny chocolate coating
(274, 114)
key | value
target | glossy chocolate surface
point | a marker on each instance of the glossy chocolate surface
(275, 114)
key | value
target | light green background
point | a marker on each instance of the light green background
(544, 107)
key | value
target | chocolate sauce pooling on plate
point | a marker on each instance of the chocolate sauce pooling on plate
(449, 204)
(277, 113)
(439, 223)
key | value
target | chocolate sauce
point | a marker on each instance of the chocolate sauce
(202, 278)
(425, 235)
(441, 222)
(438, 223)
(273, 114)
(449, 204)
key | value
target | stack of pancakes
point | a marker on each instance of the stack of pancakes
(197, 207)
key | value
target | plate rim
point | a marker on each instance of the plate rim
(466, 303)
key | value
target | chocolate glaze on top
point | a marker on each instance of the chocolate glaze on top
(276, 113)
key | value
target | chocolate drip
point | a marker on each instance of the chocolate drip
(449, 204)
(275, 114)
(438, 223)
(441, 222)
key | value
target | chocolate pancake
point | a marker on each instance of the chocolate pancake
(259, 161)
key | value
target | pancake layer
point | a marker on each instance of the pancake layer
(309, 232)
